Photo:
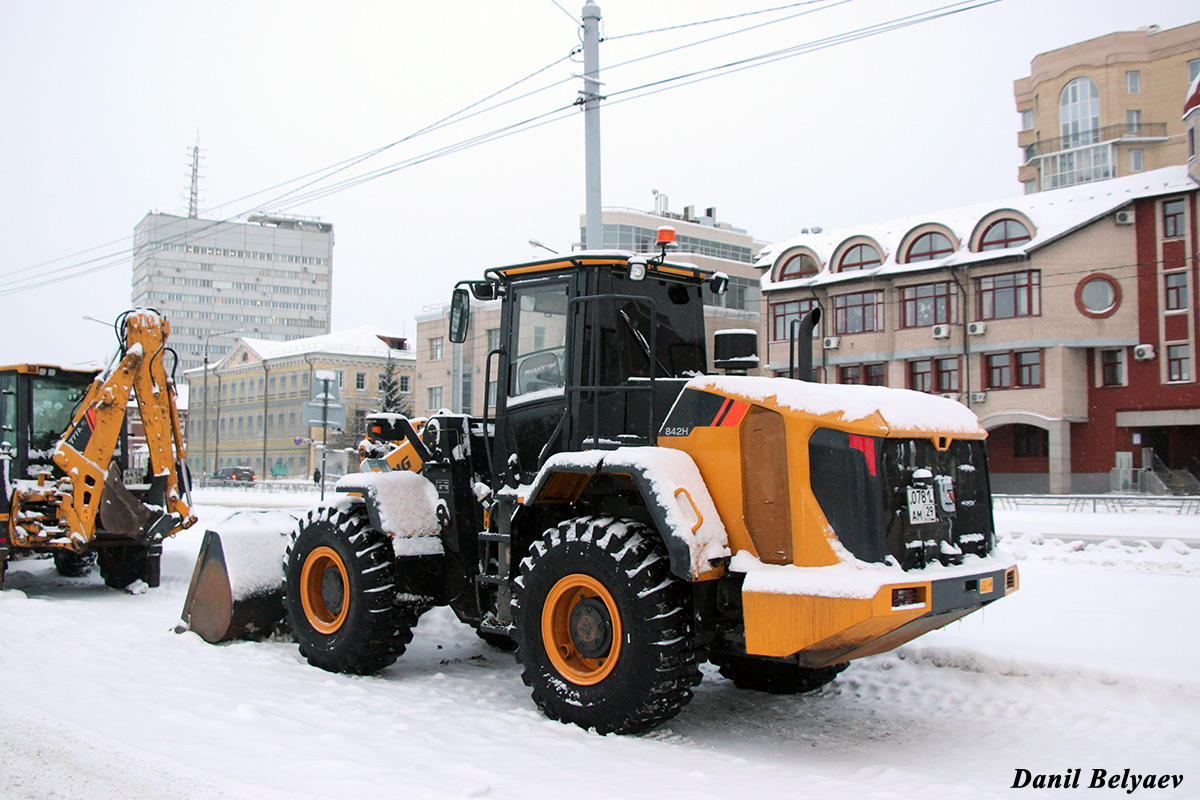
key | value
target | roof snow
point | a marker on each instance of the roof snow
(361, 341)
(1053, 214)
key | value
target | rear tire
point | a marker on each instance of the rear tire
(774, 677)
(123, 564)
(604, 631)
(75, 565)
(340, 593)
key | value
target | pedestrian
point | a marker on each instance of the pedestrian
(317, 476)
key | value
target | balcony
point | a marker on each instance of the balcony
(1130, 132)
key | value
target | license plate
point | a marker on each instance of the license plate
(921, 509)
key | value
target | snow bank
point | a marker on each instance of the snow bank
(900, 409)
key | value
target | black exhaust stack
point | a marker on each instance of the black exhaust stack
(800, 361)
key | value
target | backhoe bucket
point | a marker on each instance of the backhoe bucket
(120, 511)
(241, 598)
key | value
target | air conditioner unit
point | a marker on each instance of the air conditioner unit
(1144, 352)
(831, 342)
(941, 331)
(1124, 217)
(978, 397)
(950, 395)
(977, 328)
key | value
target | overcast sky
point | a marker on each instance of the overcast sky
(102, 101)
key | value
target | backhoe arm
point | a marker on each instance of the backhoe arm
(85, 452)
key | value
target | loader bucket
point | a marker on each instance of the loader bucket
(241, 598)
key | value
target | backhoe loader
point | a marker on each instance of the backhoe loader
(618, 516)
(64, 452)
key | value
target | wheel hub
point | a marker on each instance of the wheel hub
(591, 628)
(581, 629)
(323, 584)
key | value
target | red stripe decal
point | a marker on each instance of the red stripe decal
(866, 446)
(733, 417)
(90, 416)
(721, 413)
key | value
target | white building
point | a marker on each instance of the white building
(269, 278)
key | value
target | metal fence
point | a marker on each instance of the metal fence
(1091, 503)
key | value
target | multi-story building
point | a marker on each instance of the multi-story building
(269, 278)
(454, 376)
(1066, 320)
(261, 401)
(1106, 107)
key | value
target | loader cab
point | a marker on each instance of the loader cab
(37, 403)
(593, 352)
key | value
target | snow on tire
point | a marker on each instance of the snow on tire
(340, 593)
(602, 627)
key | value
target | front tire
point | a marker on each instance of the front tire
(340, 593)
(774, 677)
(603, 630)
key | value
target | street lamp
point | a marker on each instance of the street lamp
(204, 449)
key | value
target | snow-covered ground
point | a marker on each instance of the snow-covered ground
(1092, 665)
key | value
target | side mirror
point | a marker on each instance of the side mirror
(460, 315)
(719, 283)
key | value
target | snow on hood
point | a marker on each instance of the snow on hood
(900, 409)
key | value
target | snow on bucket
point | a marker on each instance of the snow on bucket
(237, 584)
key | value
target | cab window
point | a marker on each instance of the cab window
(539, 339)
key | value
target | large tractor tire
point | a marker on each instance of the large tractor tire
(340, 593)
(121, 565)
(774, 677)
(75, 565)
(603, 630)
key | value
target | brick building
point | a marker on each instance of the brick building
(1106, 107)
(1066, 320)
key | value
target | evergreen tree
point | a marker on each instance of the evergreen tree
(389, 388)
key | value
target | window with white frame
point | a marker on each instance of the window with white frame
(1179, 363)
(1133, 82)
(1137, 161)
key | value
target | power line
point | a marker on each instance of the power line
(697, 76)
(697, 23)
(297, 197)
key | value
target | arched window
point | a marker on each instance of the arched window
(1079, 113)
(1004, 234)
(860, 256)
(929, 246)
(800, 265)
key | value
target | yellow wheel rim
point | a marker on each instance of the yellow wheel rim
(581, 629)
(324, 585)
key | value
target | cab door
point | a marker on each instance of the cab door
(531, 401)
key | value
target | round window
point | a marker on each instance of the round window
(1098, 295)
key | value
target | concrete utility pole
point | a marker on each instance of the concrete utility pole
(591, 123)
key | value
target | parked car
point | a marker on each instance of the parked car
(234, 474)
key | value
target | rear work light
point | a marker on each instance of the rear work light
(908, 597)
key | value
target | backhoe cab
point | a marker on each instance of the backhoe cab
(64, 452)
(618, 516)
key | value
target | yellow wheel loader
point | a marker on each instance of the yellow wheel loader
(618, 516)
(64, 454)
